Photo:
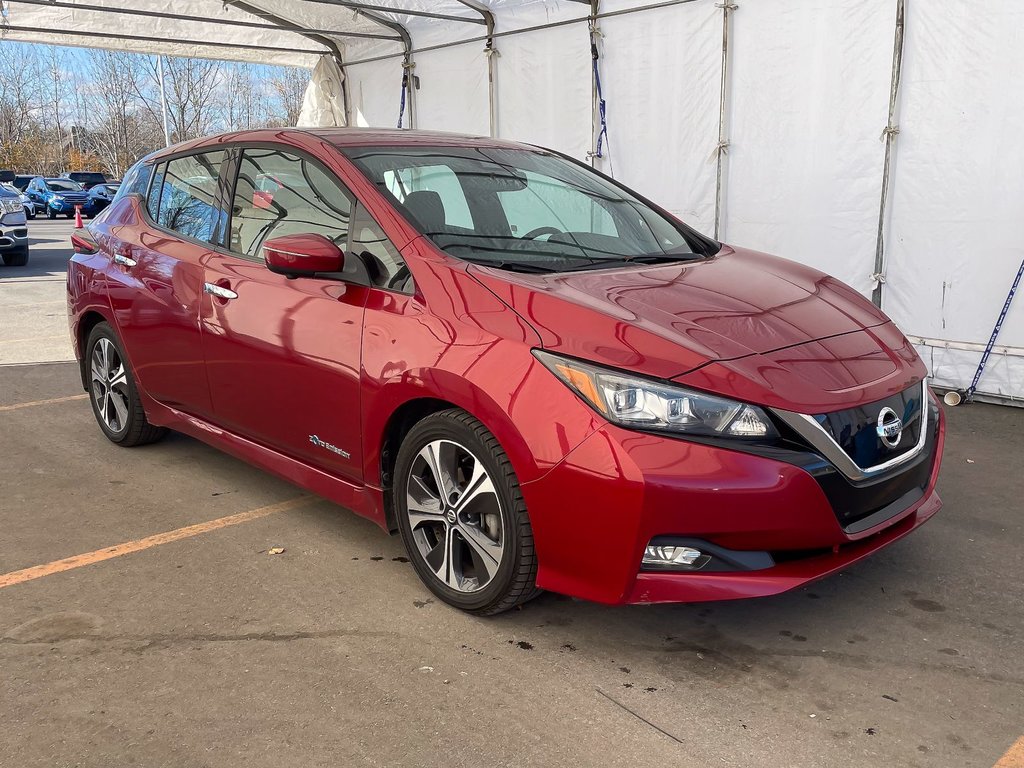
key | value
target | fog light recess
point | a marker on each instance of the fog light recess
(675, 557)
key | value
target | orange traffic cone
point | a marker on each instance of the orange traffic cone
(78, 217)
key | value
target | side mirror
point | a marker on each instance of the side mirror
(302, 255)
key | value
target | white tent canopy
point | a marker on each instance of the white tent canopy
(769, 122)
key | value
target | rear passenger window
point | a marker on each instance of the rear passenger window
(135, 181)
(153, 202)
(188, 191)
(279, 193)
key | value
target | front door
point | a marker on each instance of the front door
(283, 356)
(157, 247)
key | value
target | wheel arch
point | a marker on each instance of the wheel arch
(399, 424)
(89, 320)
(406, 403)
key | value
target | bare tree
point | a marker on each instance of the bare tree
(191, 86)
(290, 89)
(121, 128)
(20, 87)
(64, 109)
(244, 99)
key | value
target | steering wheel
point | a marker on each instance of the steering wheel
(535, 233)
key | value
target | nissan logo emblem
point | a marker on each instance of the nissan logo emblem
(890, 427)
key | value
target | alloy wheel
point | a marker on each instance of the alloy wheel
(109, 385)
(455, 516)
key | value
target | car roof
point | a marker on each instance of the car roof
(346, 137)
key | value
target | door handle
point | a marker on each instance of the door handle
(219, 291)
(124, 261)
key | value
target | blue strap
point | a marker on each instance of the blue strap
(401, 105)
(995, 333)
(602, 135)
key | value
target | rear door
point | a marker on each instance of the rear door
(283, 356)
(158, 247)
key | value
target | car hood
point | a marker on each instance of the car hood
(667, 321)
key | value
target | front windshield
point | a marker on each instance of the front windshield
(523, 210)
(62, 185)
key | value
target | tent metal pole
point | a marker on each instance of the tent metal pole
(491, 53)
(284, 26)
(163, 100)
(723, 142)
(888, 136)
(409, 80)
(329, 43)
(153, 39)
(592, 23)
(370, 8)
(524, 30)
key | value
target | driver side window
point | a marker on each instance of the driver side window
(278, 193)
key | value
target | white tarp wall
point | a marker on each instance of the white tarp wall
(807, 98)
(795, 167)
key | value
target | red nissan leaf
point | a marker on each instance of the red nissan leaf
(540, 379)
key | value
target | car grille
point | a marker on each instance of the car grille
(75, 198)
(855, 429)
(859, 506)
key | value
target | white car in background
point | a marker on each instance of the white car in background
(26, 201)
(13, 232)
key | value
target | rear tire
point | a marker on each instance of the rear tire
(468, 536)
(50, 213)
(18, 258)
(30, 214)
(112, 391)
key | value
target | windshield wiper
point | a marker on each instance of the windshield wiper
(514, 266)
(661, 258)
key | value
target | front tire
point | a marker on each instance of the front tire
(50, 213)
(462, 517)
(18, 258)
(113, 393)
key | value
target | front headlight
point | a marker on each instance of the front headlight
(10, 205)
(639, 403)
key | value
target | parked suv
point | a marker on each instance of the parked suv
(88, 179)
(56, 196)
(26, 202)
(13, 232)
(21, 180)
(540, 379)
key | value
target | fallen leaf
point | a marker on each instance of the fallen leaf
(275, 550)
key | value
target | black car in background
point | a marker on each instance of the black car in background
(88, 179)
(21, 180)
(100, 196)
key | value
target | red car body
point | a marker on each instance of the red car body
(255, 375)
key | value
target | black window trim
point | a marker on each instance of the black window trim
(234, 166)
(224, 195)
(229, 194)
(165, 160)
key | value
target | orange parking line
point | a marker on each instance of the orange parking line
(1014, 757)
(33, 338)
(19, 406)
(128, 547)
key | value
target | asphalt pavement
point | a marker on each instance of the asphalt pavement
(201, 648)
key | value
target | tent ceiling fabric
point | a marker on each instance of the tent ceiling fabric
(773, 142)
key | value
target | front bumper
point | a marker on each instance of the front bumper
(13, 238)
(594, 514)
